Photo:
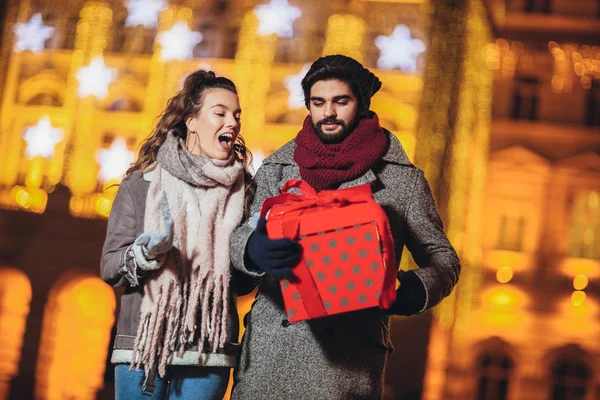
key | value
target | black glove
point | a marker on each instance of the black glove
(275, 257)
(410, 296)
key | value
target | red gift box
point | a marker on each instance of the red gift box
(348, 260)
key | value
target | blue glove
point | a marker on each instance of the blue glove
(410, 296)
(275, 257)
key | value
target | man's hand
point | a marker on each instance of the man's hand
(410, 296)
(275, 257)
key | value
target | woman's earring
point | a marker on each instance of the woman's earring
(196, 141)
(187, 139)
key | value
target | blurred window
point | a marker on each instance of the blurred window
(525, 99)
(585, 225)
(494, 376)
(46, 99)
(511, 232)
(539, 6)
(592, 115)
(125, 104)
(570, 380)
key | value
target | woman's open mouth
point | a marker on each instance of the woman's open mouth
(226, 140)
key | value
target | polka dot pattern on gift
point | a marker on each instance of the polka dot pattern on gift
(346, 266)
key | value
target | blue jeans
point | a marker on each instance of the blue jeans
(180, 383)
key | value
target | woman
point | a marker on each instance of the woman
(168, 242)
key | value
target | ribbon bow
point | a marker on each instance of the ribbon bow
(311, 199)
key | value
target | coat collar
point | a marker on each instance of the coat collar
(394, 155)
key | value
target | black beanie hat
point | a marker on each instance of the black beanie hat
(363, 82)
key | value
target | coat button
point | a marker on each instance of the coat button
(285, 323)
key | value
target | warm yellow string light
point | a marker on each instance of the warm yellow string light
(440, 92)
(473, 128)
(345, 35)
(164, 77)
(452, 148)
(93, 30)
(253, 62)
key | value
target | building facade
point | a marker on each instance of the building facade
(533, 331)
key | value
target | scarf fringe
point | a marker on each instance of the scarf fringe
(157, 333)
(157, 337)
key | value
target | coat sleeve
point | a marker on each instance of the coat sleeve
(439, 266)
(240, 236)
(120, 235)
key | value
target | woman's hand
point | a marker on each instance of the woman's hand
(155, 244)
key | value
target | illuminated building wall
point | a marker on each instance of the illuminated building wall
(531, 331)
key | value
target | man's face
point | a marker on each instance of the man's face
(333, 109)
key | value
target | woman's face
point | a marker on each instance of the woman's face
(213, 131)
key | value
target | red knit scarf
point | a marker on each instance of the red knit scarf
(326, 166)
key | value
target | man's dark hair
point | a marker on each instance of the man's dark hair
(363, 83)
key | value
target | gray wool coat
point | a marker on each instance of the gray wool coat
(341, 356)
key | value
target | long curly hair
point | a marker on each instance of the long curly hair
(186, 103)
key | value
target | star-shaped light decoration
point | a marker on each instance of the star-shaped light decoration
(399, 50)
(293, 83)
(114, 161)
(42, 139)
(144, 12)
(277, 17)
(32, 35)
(178, 43)
(95, 79)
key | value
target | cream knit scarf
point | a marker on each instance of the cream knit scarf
(186, 301)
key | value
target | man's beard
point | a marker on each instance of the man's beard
(335, 138)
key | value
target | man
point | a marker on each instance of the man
(341, 144)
